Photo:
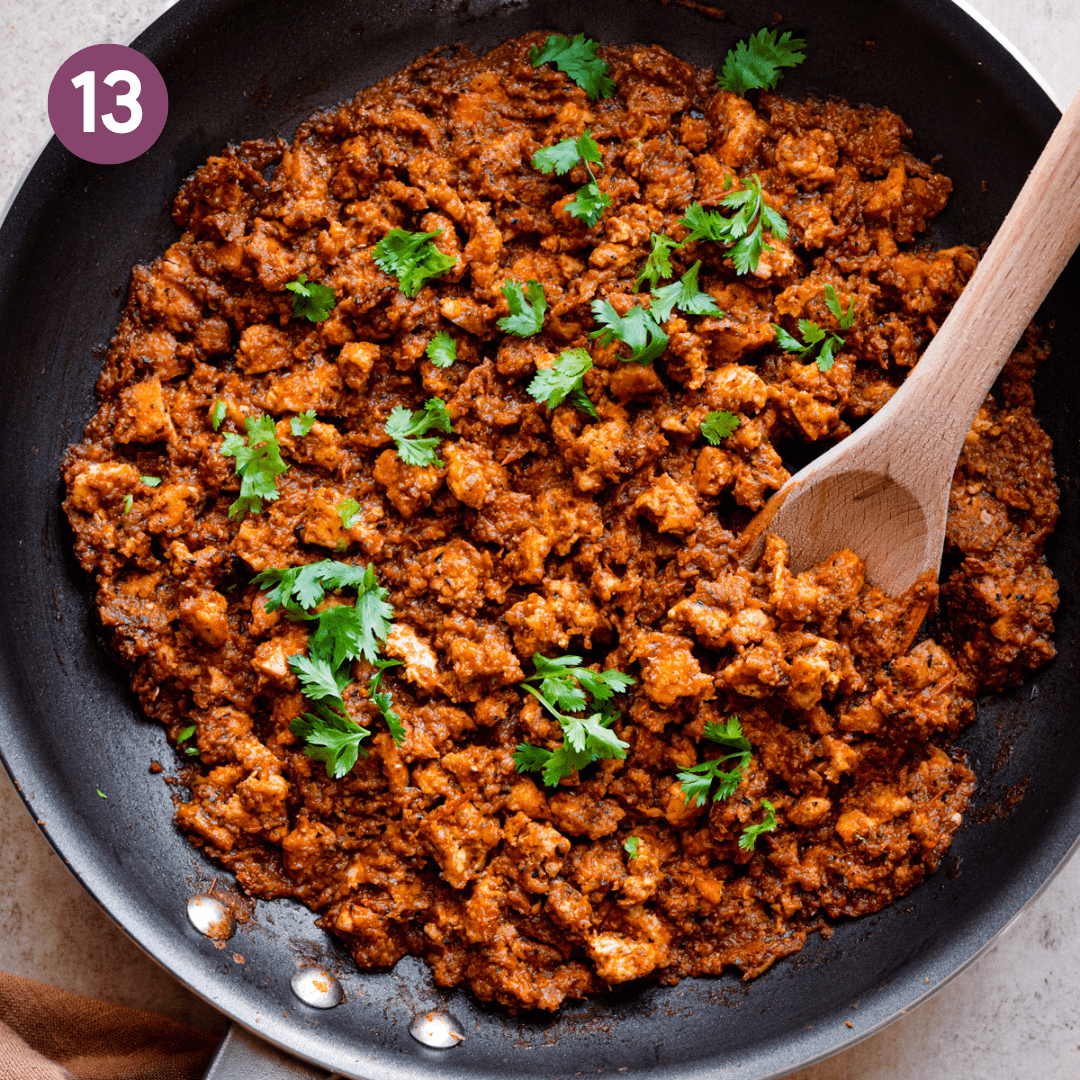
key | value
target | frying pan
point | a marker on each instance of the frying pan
(237, 69)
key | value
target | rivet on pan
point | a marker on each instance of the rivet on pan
(437, 1029)
(211, 917)
(316, 988)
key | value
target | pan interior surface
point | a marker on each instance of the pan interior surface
(236, 69)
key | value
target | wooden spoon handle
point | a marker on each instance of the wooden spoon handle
(1028, 253)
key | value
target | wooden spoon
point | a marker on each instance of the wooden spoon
(884, 491)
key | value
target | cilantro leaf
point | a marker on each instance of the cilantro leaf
(755, 64)
(345, 633)
(551, 386)
(529, 758)
(406, 429)
(150, 481)
(743, 231)
(526, 315)
(826, 357)
(592, 734)
(311, 300)
(384, 701)
(559, 763)
(589, 204)
(380, 667)
(561, 157)
(129, 502)
(630, 846)
(375, 611)
(813, 337)
(832, 302)
(767, 824)
(684, 294)
(442, 349)
(637, 328)
(300, 587)
(697, 780)
(348, 510)
(101, 794)
(704, 225)
(718, 426)
(729, 734)
(318, 679)
(342, 633)
(787, 342)
(182, 737)
(577, 57)
(331, 738)
(302, 423)
(412, 258)
(658, 264)
(258, 463)
(385, 704)
(217, 414)
(746, 226)
(563, 685)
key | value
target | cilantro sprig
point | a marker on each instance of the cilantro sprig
(755, 64)
(658, 264)
(814, 337)
(217, 414)
(697, 780)
(310, 299)
(301, 424)
(718, 426)
(407, 429)
(630, 846)
(684, 294)
(564, 684)
(182, 737)
(564, 381)
(767, 824)
(589, 202)
(442, 349)
(332, 738)
(743, 231)
(342, 633)
(258, 464)
(348, 510)
(384, 701)
(412, 258)
(638, 328)
(577, 57)
(527, 308)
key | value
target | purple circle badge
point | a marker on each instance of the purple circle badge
(108, 104)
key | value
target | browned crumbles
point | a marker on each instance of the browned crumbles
(615, 538)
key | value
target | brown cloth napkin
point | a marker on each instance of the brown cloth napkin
(49, 1034)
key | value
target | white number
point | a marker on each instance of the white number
(129, 101)
(85, 82)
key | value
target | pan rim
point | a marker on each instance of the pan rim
(1018, 56)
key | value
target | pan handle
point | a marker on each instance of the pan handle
(244, 1056)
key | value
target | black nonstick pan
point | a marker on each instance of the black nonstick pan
(239, 69)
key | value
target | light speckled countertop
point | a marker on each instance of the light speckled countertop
(1014, 1012)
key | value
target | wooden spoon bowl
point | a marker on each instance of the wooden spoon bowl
(884, 491)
